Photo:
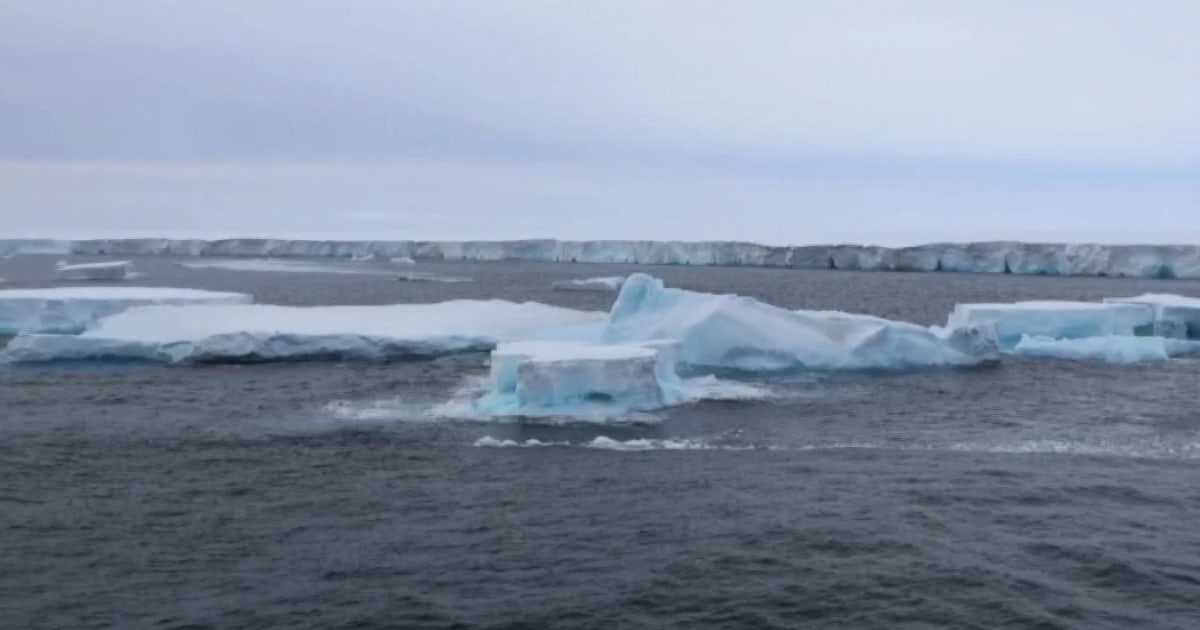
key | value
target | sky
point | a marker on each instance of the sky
(787, 122)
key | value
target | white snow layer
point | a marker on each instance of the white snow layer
(733, 332)
(1137, 261)
(1056, 320)
(110, 270)
(255, 333)
(599, 285)
(73, 309)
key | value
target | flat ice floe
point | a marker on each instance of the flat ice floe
(73, 309)
(99, 271)
(598, 285)
(734, 332)
(1057, 320)
(272, 265)
(257, 333)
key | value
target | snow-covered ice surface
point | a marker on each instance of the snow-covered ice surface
(740, 333)
(1111, 349)
(288, 266)
(100, 271)
(601, 285)
(1136, 261)
(256, 333)
(72, 309)
(1056, 320)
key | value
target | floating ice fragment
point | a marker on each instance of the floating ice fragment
(100, 271)
(599, 285)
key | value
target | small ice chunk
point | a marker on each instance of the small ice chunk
(1056, 320)
(402, 260)
(561, 375)
(72, 309)
(599, 285)
(425, 276)
(1175, 316)
(100, 271)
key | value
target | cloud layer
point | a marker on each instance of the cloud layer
(862, 121)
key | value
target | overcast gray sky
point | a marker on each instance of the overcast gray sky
(882, 121)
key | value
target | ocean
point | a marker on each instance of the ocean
(1036, 493)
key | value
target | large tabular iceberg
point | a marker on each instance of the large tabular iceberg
(72, 309)
(1056, 320)
(733, 332)
(256, 333)
(1136, 261)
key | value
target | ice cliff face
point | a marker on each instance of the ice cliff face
(1138, 261)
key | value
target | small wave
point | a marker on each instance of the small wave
(491, 442)
(605, 443)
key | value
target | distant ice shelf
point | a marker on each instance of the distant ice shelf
(1136, 261)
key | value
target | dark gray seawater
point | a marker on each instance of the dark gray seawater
(1034, 494)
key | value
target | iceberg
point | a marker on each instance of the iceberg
(425, 276)
(1134, 261)
(1056, 320)
(1175, 316)
(247, 333)
(1111, 349)
(114, 270)
(73, 309)
(600, 285)
(541, 376)
(740, 333)
(281, 266)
